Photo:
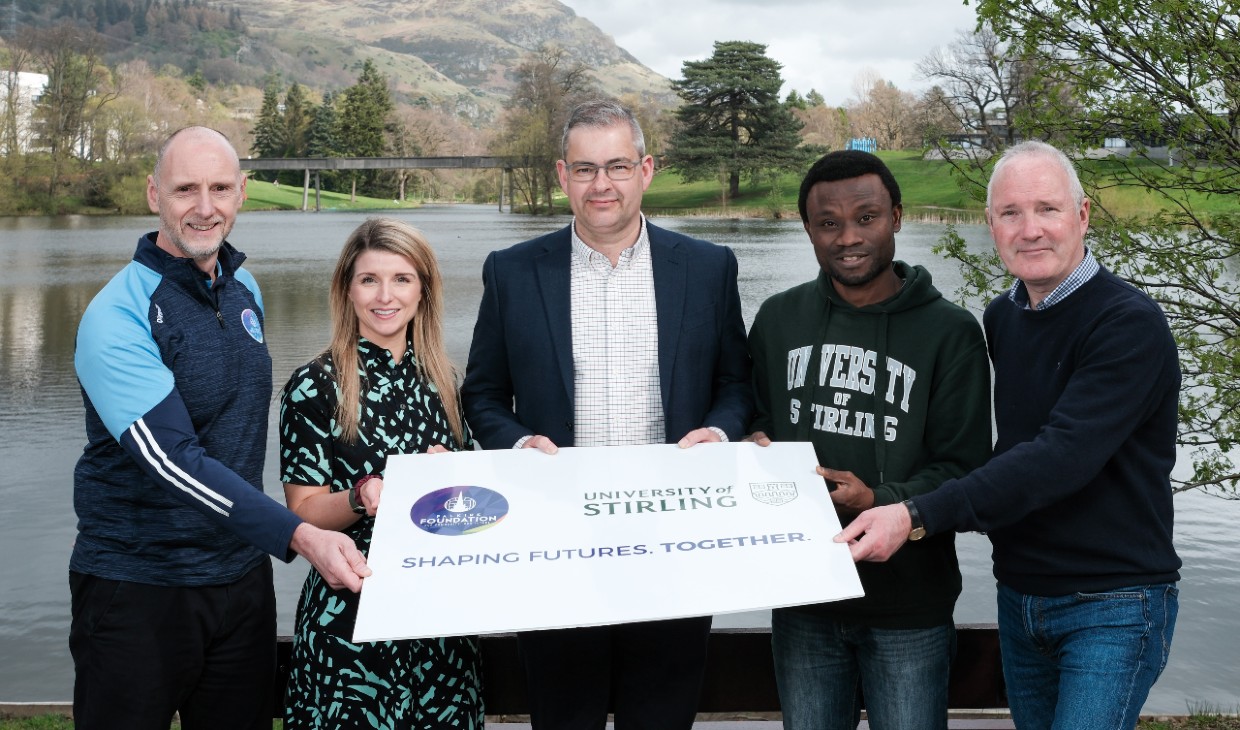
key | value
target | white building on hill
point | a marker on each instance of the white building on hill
(18, 94)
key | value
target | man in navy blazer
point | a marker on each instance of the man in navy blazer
(609, 331)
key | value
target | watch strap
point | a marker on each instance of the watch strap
(355, 494)
(917, 530)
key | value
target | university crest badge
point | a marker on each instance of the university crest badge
(773, 493)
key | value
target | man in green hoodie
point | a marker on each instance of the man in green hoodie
(891, 384)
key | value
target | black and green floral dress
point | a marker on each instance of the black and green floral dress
(391, 685)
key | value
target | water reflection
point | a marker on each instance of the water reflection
(50, 269)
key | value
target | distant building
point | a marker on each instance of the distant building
(25, 88)
(865, 144)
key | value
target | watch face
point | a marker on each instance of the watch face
(917, 533)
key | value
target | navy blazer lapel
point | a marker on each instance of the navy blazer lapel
(552, 269)
(671, 272)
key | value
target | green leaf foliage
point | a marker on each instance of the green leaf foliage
(1163, 75)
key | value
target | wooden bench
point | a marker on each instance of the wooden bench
(740, 677)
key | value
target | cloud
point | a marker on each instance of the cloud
(821, 45)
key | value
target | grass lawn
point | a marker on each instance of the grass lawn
(927, 187)
(267, 196)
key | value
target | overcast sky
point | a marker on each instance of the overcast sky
(822, 44)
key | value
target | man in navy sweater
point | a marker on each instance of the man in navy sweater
(1077, 498)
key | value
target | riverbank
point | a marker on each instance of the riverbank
(931, 193)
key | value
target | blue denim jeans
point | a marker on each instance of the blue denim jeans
(822, 667)
(1084, 661)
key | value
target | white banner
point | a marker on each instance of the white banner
(484, 542)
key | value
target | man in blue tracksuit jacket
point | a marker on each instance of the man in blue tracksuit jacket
(173, 605)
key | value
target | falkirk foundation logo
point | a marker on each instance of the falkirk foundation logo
(459, 510)
(773, 493)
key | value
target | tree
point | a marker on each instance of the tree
(883, 112)
(549, 84)
(827, 127)
(732, 120)
(72, 61)
(321, 136)
(984, 84)
(1165, 73)
(364, 114)
(269, 129)
(932, 117)
(12, 141)
(365, 118)
(297, 117)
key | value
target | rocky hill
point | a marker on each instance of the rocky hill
(459, 52)
(458, 55)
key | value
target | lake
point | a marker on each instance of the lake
(51, 267)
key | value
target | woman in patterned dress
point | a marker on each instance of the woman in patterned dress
(397, 394)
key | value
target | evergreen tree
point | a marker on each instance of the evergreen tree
(269, 131)
(297, 116)
(321, 136)
(365, 116)
(364, 111)
(732, 121)
(197, 81)
(140, 25)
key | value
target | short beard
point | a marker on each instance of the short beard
(173, 230)
(861, 279)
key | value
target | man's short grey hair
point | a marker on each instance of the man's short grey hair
(195, 129)
(600, 114)
(1035, 148)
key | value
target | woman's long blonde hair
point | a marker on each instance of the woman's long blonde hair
(426, 327)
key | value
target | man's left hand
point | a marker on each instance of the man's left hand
(333, 554)
(850, 493)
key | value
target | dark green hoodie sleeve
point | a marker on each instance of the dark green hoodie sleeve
(957, 437)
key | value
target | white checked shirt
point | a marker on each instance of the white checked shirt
(617, 399)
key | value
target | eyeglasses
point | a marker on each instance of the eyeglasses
(586, 172)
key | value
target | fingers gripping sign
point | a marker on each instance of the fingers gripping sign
(849, 492)
(333, 554)
(876, 534)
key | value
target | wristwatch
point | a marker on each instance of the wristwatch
(919, 530)
(355, 494)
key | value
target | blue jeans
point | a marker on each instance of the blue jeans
(823, 666)
(1084, 661)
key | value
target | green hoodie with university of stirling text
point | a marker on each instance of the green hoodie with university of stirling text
(896, 392)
